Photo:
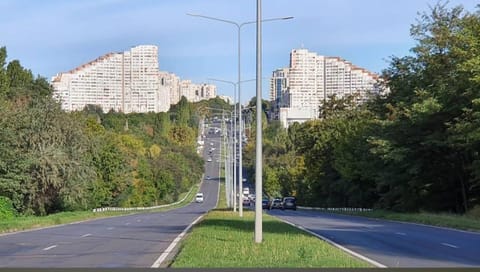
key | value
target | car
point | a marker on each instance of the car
(209, 159)
(208, 178)
(199, 197)
(265, 203)
(246, 201)
(289, 202)
(276, 204)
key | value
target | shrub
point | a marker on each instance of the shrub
(6, 208)
(474, 212)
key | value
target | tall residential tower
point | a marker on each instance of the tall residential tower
(298, 92)
(125, 82)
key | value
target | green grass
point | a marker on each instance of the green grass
(442, 220)
(32, 222)
(224, 240)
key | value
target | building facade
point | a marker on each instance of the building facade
(298, 92)
(126, 82)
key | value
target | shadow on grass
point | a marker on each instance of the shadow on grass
(269, 226)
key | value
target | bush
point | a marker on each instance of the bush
(6, 208)
(474, 212)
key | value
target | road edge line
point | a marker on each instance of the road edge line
(174, 243)
(349, 251)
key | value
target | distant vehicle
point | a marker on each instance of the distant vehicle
(199, 198)
(265, 203)
(208, 177)
(276, 204)
(289, 203)
(246, 201)
(246, 191)
(209, 159)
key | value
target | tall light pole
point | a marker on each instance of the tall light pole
(258, 145)
(239, 27)
(240, 141)
(229, 174)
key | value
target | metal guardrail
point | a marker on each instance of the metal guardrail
(126, 209)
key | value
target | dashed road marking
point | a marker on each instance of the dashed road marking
(86, 235)
(401, 233)
(110, 228)
(50, 247)
(449, 245)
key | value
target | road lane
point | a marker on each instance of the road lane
(393, 244)
(125, 241)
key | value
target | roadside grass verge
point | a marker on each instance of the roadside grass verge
(461, 222)
(33, 222)
(224, 240)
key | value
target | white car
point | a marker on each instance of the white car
(199, 198)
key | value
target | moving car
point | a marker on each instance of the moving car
(265, 203)
(246, 201)
(289, 202)
(199, 198)
(276, 204)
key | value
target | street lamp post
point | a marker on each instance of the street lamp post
(239, 27)
(258, 157)
(229, 177)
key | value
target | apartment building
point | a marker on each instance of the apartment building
(126, 82)
(298, 92)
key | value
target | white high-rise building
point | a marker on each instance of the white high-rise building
(125, 82)
(298, 92)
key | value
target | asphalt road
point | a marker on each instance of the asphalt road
(132, 241)
(390, 243)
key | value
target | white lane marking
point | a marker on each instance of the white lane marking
(449, 245)
(110, 228)
(50, 247)
(401, 233)
(351, 252)
(138, 220)
(169, 249)
(128, 223)
(86, 235)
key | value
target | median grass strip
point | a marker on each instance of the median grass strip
(223, 239)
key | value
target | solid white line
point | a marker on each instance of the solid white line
(50, 247)
(169, 249)
(375, 263)
(86, 235)
(449, 245)
(401, 233)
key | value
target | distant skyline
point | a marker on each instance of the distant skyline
(54, 36)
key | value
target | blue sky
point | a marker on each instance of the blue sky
(52, 36)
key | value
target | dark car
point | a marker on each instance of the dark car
(276, 204)
(265, 203)
(289, 203)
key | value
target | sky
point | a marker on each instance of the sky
(54, 36)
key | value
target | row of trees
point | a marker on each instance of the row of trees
(417, 148)
(55, 161)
